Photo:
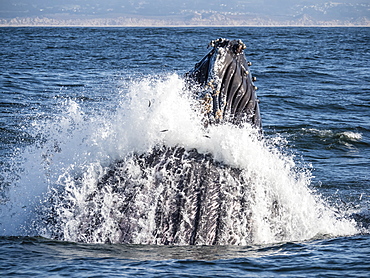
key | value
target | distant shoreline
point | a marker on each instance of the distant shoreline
(193, 22)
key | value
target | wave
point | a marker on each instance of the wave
(327, 133)
(350, 140)
(60, 185)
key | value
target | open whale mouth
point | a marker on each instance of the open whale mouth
(225, 84)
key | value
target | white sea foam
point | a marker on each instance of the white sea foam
(76, 147)
(355, 136)
(327, 133)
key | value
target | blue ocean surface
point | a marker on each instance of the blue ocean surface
(75, 100)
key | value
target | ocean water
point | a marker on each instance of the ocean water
(75, 100)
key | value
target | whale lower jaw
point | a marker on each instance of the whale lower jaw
(174, 196)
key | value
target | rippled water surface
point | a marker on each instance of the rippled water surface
(73, 100)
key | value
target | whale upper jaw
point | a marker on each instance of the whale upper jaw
(225, 84)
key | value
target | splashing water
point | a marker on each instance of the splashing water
(63, 190)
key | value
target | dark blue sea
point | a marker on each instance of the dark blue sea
(74, 100)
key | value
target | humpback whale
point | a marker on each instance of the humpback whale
(173, 195)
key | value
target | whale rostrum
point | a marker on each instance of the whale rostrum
(225, 84)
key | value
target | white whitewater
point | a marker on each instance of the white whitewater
(76, 147)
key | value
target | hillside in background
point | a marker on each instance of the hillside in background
(179, 13)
